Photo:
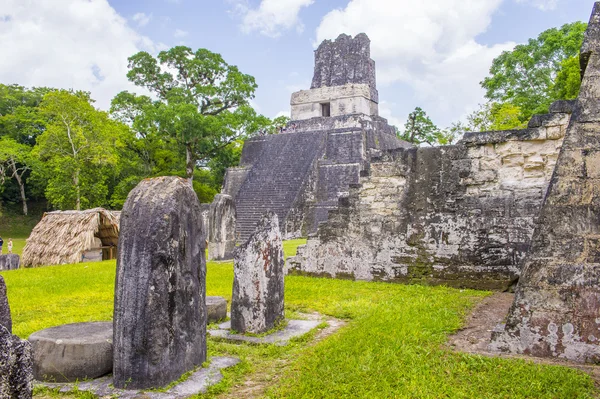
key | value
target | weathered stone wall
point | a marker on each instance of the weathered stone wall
(557, 303)
(343, 100)
(461, 215)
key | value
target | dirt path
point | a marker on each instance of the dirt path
(476, 335)
(257, 383)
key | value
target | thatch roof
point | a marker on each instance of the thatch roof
(62, 236)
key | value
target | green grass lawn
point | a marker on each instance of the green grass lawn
(392, 346)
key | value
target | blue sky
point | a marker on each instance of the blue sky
(429, 53)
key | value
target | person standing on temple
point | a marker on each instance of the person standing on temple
(1, 242)
(9, 246)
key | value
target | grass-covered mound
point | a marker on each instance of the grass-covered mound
(392, 346)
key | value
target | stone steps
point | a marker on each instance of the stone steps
(274, 182)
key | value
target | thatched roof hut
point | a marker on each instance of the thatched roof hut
(65, 236)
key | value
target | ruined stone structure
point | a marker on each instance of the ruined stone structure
(300, 174)
(461, 215)
(258, 285)
(160, 310)
(221, 228)
(557, 303)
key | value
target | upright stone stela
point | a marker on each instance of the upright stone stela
(334, 128)
(258, 285)
(160, 310)
(221, 228)
(556, 311)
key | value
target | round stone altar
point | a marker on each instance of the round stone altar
(216, 309)
(72, 351)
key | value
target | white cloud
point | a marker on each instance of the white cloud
(428, 45)
(142, 19)
(83, 44)
(272, 17)
(544, 5)
(180, 33)
(385, 111)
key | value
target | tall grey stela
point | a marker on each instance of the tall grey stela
(160, 310)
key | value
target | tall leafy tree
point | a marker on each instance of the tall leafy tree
(19, 116)
(77, 150)
(420, 129)
(15, 161)
(526, 76)
(200, 102)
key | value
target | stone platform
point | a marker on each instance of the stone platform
(294, 328)
(198, 382)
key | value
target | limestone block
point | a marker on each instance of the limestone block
(160, 311)
(16, 375)
(5, 317)
(9, 262)
(513, 160)
(508, 148)
(258, 285)
(221, 228)
(216, 308)
(592, 164)
(534, 162)
(555, 132)
(72, 352)
(490, 163)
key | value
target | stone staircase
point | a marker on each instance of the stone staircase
(275, 181)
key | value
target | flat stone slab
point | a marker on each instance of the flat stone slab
(197, 383)
(72, 352)
(216, 309)
(294, 328)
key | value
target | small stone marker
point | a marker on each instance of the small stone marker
(16, 376)
(5, 317)
(160, 310)
(10, 262)
(257, 302)
(221, 228)
(216, 308)
(72, 352)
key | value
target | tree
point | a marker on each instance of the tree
(19, 116)
(526, 76)
(568, 80)
(77, 149)
(202, 102)
(420, 129)
(494, 116)
(14, 162)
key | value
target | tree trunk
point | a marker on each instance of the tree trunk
(189, 162)
(22, 189)
(77, 190)
(17, 176)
